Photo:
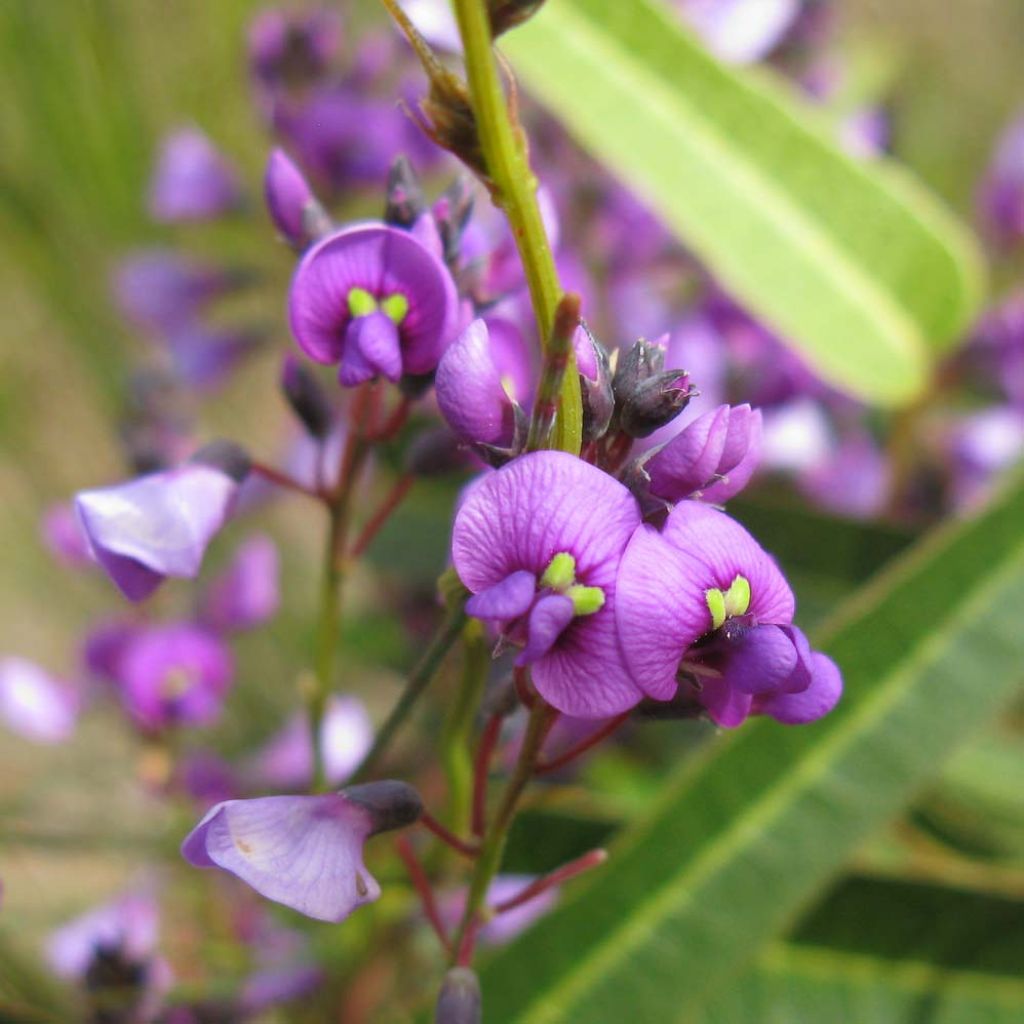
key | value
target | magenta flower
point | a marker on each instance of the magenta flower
(35, 705)
(173, 675)
(346, 736)
(159, 525)
(247, 593)
(375, 299)
(711, 458)
(538, 543)
(303, 851)
(704, 610)
(192, 181)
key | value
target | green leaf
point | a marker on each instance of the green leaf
(856, 265)
(796, 985)
(745, 836)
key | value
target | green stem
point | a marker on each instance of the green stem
(514, 188)
(493, 847)
(417, 682)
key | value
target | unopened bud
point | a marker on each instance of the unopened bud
(405, 200)
(435, 453)
(655, 402)
(230, 458)
(459, 1000)
(390, 803)
(294, 209)
(598, 397)
(506, 14)
(635, 365)
(451, 214)
(306, 398)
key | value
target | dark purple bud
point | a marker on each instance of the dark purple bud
(305, 396)
(435, 453)
(595, 384)
(459, 1000)
(654, 402)
(391, 804)
(227, 456)
(451, 214)
(506, 14)
(405, 200)
(294, 209)
(635, 365)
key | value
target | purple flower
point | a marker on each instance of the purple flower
(204, 358)
(981, 445)
(375, 299)
(287, 49)
(701, 604)
(346, 736)
(247, 593)
(854, 480)
(104, 646)
(740, 31)
(1001, 195)
(159, 525)
(303, 851)
(35, 705)
(712, 458)
(192, 181)
(865, 132)
(503, 927)
(63, 536)
(538, 543)
(174, 674)
(159, 290)
(998, 345)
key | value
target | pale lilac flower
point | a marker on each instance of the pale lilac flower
(538, 543)
(63, 536)
(247, 593)
(303, 851)
(506, 926)
(174, 675)
(712, 458)
(1001, 195)
(192, 181)
(373, 298)
(34, 704)
(740, 31)
(346, 736)
(159, 525)
(205, 358)
(865, 132)
(854, 480)
(796, 436)
(705, 618)
(435, 22)
(981, 445)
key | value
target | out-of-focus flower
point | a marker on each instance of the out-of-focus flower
(247, 593)
(796, 437)
(34, 704)
(373, 298)
(174, 675)
(63, 536)
(865, 132)
(998, 344)
(740, 31)
(204, 358)
(981, 445)
(854, 479)
(542, 569)
(304, 851)
(712, 458)
(159, 525)
(289, 50)
(459, 1001)
(703, 603)
(1001, 193)
(346, 735)
(506, 926)
(192, 181)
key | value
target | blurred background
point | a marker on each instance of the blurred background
(89, 88)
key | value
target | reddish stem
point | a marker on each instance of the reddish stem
(481, 766)
(395, 421)
(556, 877)
(464, 957)
(431, 824)
(382, 514)
(281, 479)
(422, 885)
(521, 682)
(583, 746)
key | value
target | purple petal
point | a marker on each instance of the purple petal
(469, 389)
(248, 593)
(813, 703)
(740, 457)
(371, 342)
(63, 536)
(192, 181)
(157, 525)
(688, 461)
(35, 705)
(550, 615)
(506, 600)
(305, 852)
(727, 551)
(660, 609)
(287, 196)
(726, 705)
(761, 661)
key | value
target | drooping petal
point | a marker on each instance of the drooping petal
(740, 456)
(508, 599)
(811, 704)
(548, 619)
(303, 851)
(371, 344)
(726, 705)
(760, 660)
(35, 705)
(728, 551)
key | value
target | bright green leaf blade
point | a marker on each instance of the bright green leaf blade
(802, 986)
(857, 266)
(745, 837)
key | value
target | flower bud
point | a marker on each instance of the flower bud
(391, 804)
(655, 402)
(306, 398)
(459, 1000)
(294, 209)
(405, 200)
(506, 14)
(435, 453)
(451, 215)
(227, 456)
(635, 365)
(596, 388)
